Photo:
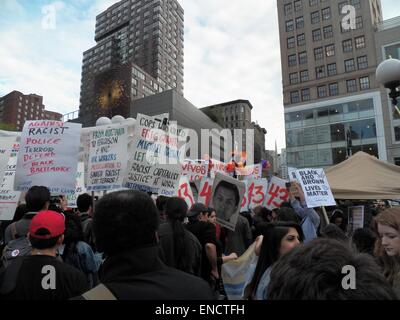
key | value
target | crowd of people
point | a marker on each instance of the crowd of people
(132, 245)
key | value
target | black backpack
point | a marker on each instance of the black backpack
(19, 247)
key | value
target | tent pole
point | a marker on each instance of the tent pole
(325, 215)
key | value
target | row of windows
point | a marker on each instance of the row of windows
(331, 89)
(297, 6)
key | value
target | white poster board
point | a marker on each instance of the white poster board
(205, 192)
(250, 172)
(277, 193)
(217, 167)
(6, 145)
(226, 199)
(194, 171)
(79, 187)
(356, 218)
(257, 190)
(185, 191)
(48, 156)
(317, 191)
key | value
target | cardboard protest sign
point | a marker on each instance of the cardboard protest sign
(292, 174)
(154, 165)
(277, 193)
(226, 199)
(217, 167)
(257, 190)
(356, 218)
(6, 145)
(195, 186)
(244, 205)
(107, 158)
(48, 156)
(8, 197)
(194, 171)
(205, 192)
(79, 187)
(316, 188)
(185, 192)
(250, 172)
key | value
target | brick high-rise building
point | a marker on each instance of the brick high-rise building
(16, 108)
(139, 52)
(330, 93)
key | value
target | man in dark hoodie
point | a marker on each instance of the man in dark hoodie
(125, 228)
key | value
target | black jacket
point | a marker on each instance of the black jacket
(139, 274)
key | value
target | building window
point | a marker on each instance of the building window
(333, 89)
(397, 161)
(321, 91)
(289, 25)
(288, 9)
(328, 32)
(315, 17)
(397, 135)
(349, 65)
(351, 85)
(320, 72)
(294, 78)
(330, 50)
(364, 83)
(304, 76)
(300, 22)
(331, 69)
(291, 43)
(319, 53)
(303, 57)
(359, 22)
(294, 97)
(317, 35)
(341, 5)
(298, 6)
(313, 3)
(305, 94)
(362, 62)
(301, 39)
(292, 60)
(356, 4)
(326, 13)
(347, 45)
(360, 42)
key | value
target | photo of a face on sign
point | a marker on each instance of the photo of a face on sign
(226, 198)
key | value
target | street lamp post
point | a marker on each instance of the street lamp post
(388, 74)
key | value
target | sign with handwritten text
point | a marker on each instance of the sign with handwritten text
(277, 193)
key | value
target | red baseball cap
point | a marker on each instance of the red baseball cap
(50, 221)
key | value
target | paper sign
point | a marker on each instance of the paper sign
(217, 166)
(250, 172)
(185, 192)
(356, 218)
(205, 191)
(316, 188)
(257, 190)
(244, 205)
(277, 193)
(107, 158)
(79, 187)
(48, 156)
(6, 144)
(292, 174)
(194, 171)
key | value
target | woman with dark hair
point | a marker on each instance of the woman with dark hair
(180, 249)
(278, 239)
(333, 231)
(387, 248)
(339, 219)
(78, 253)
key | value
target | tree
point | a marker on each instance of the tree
(7, 126)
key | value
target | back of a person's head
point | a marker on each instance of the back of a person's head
(36, 198)
(73, 228)
(316, 271)
(176, 209)
(84, 202)
(125, 220)
(364, 240)
(287, 214)
(161, 201)
(332, 231)
(19, 212)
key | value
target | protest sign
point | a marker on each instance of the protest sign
(244, 205)
(107, 158)
(217, 166)
(256, 192)
(250, 172)
(185, 192)
(292, 174)
(194, 171)
(226, 199)
(79, 187)
(6, 145)
(8, 197)
(154, 166)
(195, 186)
(315, 186)
(48, 156)
(277, 193)
(205, 191)
(356, 218)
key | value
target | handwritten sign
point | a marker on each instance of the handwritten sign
(185, 192)
(79, 187)
(317, 191)
(48, 156)
(250, 172)
(217, 167)
(277, 193)
(151, 167)
(107, 158)
(194, 171)
(205, 191)
(257, 192)
(6, 144)
(244, 205)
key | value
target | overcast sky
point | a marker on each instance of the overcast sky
(231, 52)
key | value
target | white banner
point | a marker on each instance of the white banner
(317, 191)
(108, 156)
(6, 144)
(48, 156)
(277, 193)
(79, 187)
(185, 192)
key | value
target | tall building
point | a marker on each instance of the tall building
(387, 39)
(16, 108)
(138, 52)
(282, 164)
(331, 96)
(237, 115)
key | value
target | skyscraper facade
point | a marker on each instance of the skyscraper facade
(138, 52)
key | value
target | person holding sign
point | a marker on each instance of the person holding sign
(226, 200)
(310, 219)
